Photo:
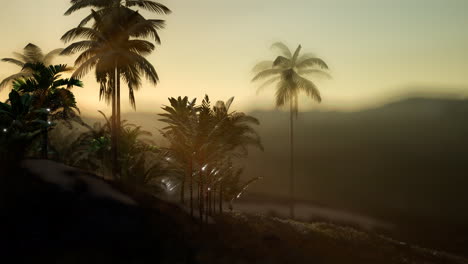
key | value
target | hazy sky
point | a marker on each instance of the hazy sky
(376, 48)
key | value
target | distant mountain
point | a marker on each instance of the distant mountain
(407, 155)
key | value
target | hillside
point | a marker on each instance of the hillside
(57, 214)
(403, 163)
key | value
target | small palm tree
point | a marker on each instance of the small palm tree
(181, 118)
(50, 92)
(31, 54)
(291, 73)
(19, 127)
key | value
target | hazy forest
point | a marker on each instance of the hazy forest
(278, 175)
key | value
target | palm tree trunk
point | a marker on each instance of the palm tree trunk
(214, 199)
(117, 132)
(201, 195)
(291, 155)
(114, 128)
(182, 191)
(220, 198)
(207, 210)
(45, 138)
(45, 143)
(190, 171)
(208, 195)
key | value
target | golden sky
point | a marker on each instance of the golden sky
(375, 48)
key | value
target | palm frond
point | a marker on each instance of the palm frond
(84, 68)
(310, 62)
(143, 66)
(266, 73)
(268, 83)
(33, 53)
(51, 55)
(282, 62)
(82, 32)
(284, 91)
(14, 61)
(228, 103)
(78, 46)
(21, 57)
(80, 4)
(261, 66)
(308, 87)
(8, 80)
(149, 6)
(296, 54)
(146, 28)
(141, 47)
(314, 72)
(282, 48)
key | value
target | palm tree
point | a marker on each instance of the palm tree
(19, 127)
(232, 135)
(50, 92)
(115, 10)
(291, 73)
(31, 54)
(181, 119)
(111, 48)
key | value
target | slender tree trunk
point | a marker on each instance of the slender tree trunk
(201, 196)
(182, 190)
(291, 155)
(206, 205)
(190, 171)
(114, 129)
(45, 143)
(214, 199)
(220, 198)
(208, 195)
(117, 131)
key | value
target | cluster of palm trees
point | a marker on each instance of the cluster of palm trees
(39, 95)
(114, 45)
(203, 142)
(141, 162)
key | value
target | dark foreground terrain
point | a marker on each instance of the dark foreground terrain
(52, 213)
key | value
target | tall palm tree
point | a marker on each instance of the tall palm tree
(115, 10)
(291, 73)
(31, 54)
(113, 50)
(50, 92)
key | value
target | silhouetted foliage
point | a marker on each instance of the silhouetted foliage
(50, 92)
(32, 54)
(202, 138)
(115, 49)
(141, 161)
